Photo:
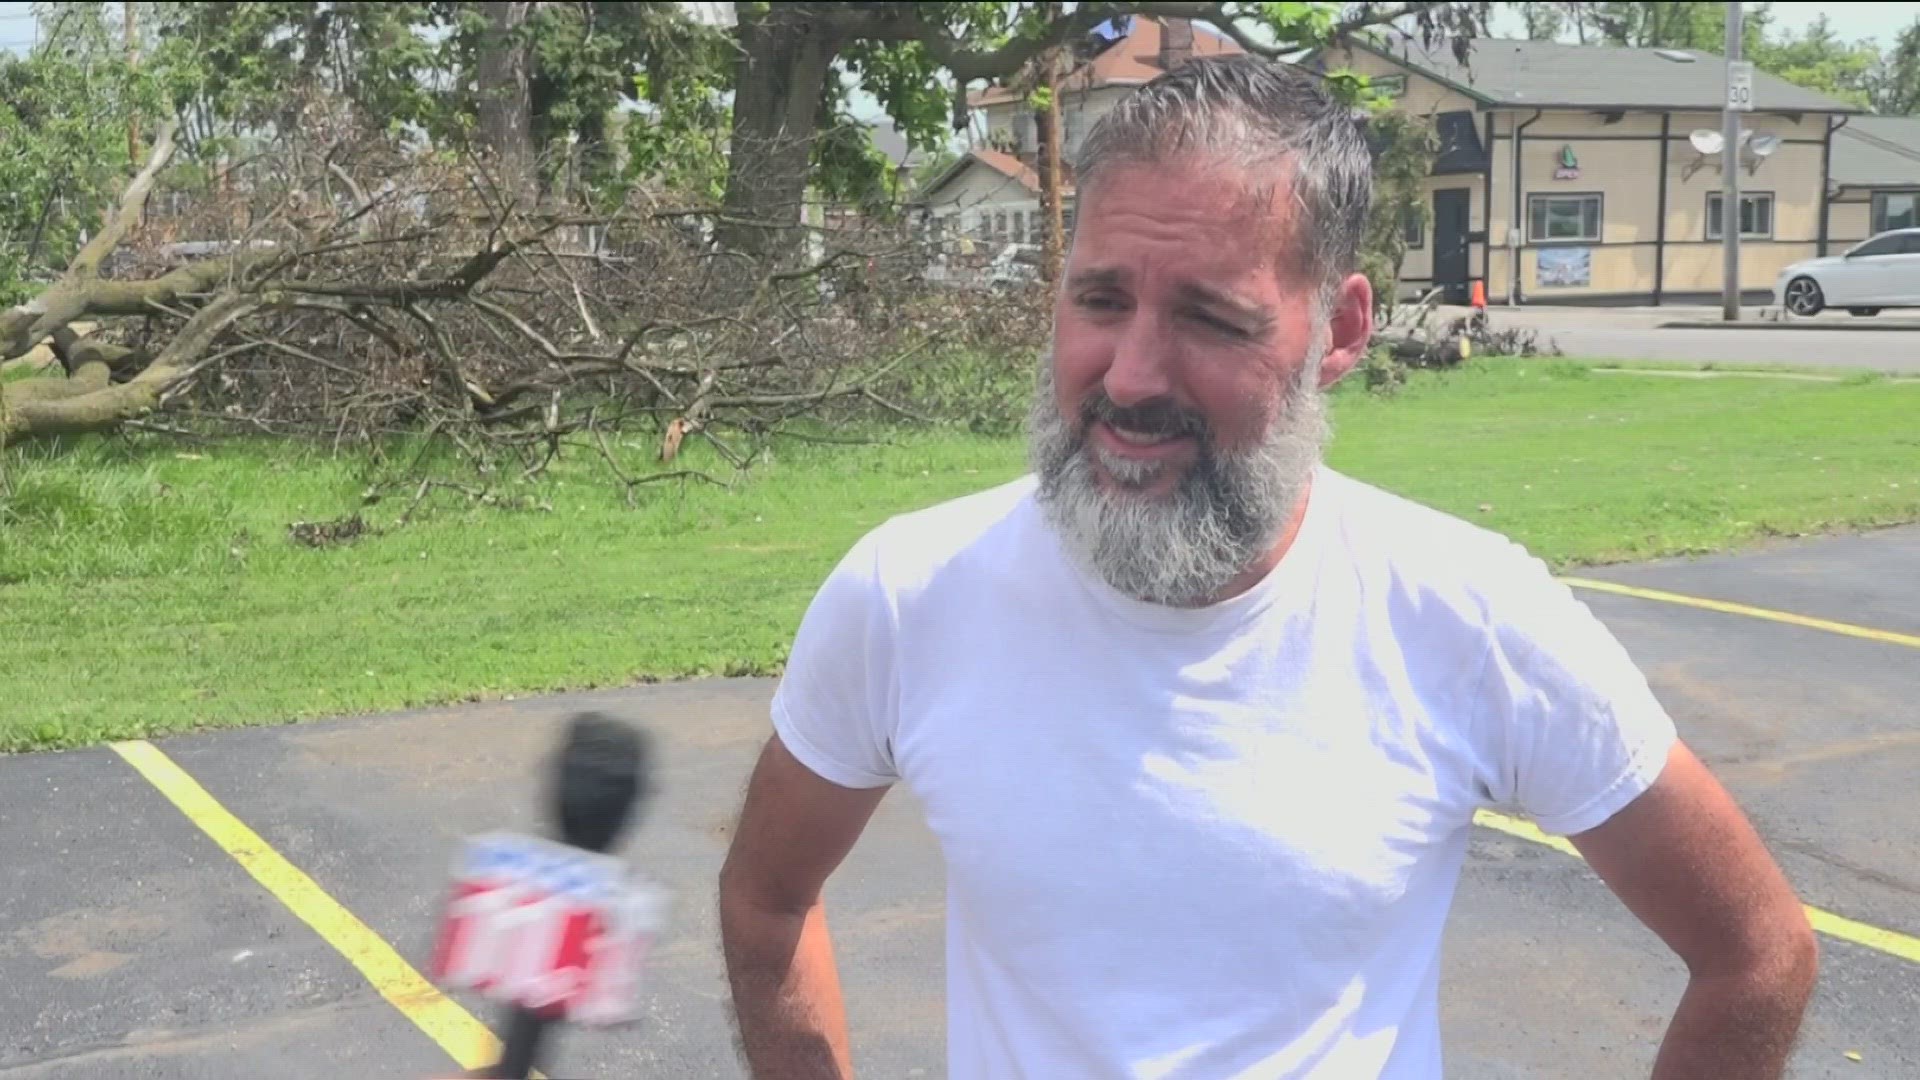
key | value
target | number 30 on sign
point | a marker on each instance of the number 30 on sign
(1740, 85)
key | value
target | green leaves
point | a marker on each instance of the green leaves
(65, 111)
(1895, 82)
(1404, 146)
(1819, 60)
(1304, 24)
(609, 83)
(907, 83)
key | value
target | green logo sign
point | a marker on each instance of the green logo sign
(1569, 165)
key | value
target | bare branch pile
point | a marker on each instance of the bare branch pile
(344, 289)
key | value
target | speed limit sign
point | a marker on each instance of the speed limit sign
(1740, 85)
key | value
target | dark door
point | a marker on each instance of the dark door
(1452, 210)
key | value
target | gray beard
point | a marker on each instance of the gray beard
(1183, 549)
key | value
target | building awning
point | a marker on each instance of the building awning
(1461, 150)
(1877, 152)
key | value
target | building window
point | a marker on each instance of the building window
(1019, 226)
(1896, 210)
(1413, 228)
(999, 226)
(1756, 214)
(1563, 219)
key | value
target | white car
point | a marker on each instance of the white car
(1881, 272)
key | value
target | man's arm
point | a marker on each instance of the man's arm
(1685, 860)
(794, 830)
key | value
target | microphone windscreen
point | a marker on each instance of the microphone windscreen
(603, 776)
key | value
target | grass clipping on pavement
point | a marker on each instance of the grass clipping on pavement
(150, 586)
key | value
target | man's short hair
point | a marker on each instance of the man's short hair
(1271, 118)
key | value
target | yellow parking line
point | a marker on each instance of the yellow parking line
(469, 1042)
(1911, 641)
(1892, 942)
(456, 1030)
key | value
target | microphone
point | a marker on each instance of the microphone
(601, 777)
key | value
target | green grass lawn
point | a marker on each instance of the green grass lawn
(149, 587)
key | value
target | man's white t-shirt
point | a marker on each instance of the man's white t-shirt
(1217, 842)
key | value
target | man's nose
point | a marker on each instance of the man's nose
(1142, 368)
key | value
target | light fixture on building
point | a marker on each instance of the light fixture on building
(1707, 144)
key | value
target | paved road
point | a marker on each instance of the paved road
(1887, 342)
(131, 946)
(1890, 351)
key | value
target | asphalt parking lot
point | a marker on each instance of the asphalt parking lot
(139, 941)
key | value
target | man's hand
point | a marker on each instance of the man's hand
(1685, 860)
(793, 832)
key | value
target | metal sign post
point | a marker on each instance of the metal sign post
(1739, 100)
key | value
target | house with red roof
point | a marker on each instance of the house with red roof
(991, 194)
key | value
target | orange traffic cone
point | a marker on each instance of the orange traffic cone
(1479, 301)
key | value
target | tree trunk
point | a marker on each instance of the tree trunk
(88, 400)
(506, 97)
(786, 54)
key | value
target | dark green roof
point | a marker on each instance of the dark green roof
(1548, 74)
(1877, 151)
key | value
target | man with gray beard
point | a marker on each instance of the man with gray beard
(1226, 511)
(1202, 724)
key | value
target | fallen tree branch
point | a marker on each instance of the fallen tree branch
(423, 307)
(906, 414)
(105, 406)
(164, 429)
(450, 362)
(682, 474)
(37, 359)
(71, 299)
(77, 350)
(87, 263)
(453, 287)
(431, 485)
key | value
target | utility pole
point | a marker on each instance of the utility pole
(1056, 238)
(133, 61)
(1739, 100)
(1053, 261)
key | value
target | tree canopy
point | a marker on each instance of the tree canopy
(587, 99)
(1886, 80)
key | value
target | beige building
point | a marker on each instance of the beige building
(1576, 174)
(1876, 177)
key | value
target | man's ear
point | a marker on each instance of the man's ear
(1349, 329)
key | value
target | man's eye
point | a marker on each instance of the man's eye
(1101, 302)
(1219, 325)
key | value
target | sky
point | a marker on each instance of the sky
(1878, 21)
(1850, 22)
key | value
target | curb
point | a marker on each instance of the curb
(1768, 324)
